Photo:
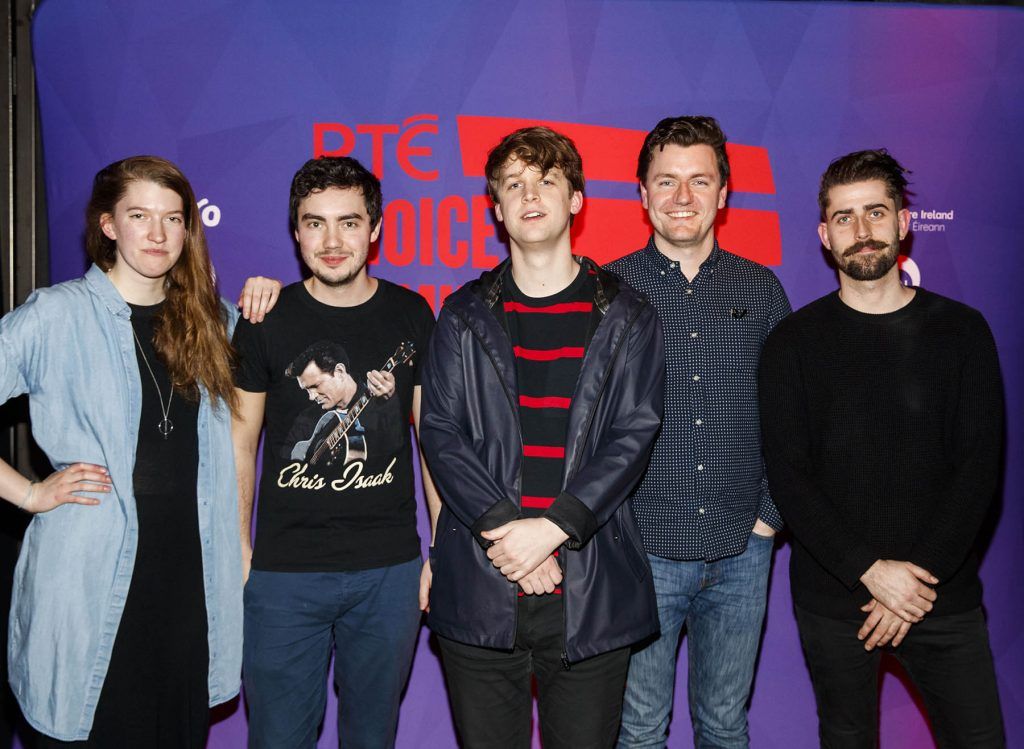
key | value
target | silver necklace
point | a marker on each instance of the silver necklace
(165, 427)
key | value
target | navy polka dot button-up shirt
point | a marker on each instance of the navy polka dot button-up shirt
(706, 485)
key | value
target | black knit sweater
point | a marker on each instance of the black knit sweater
(882, 437)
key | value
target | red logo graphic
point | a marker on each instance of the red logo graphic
(609, 227)
(458, 231)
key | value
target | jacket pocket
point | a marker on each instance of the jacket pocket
(635, 557)
(447, 527)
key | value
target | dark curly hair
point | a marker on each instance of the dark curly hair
(343, 172)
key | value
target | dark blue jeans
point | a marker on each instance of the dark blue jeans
(722, 605)
(948, 659)
(292, 619)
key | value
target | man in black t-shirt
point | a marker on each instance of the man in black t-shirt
(882, 415)
(336, 558)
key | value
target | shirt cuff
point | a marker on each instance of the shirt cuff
(856, 563)
(573, 517)
(501, 512)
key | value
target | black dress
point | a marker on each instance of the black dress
(155, 693)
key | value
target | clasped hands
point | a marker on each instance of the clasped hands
(523, 551)
(901, 596)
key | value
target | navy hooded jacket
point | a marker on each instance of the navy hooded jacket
(469, 430)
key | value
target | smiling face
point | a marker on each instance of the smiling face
(535, 207)
(863, 229)
(148, 230)
(682, 194)
(334, 235)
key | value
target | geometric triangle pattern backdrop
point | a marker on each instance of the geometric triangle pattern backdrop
(240, 92)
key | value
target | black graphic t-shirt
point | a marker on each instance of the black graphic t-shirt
(336, 490)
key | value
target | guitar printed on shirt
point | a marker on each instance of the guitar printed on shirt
(336, 488)
(338, 436)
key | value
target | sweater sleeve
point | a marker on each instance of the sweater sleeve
(786, 433)
(974, 438)
(779, 308)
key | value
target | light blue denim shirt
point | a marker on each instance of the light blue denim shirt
(70, 347)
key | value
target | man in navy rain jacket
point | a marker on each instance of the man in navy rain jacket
(542, 395)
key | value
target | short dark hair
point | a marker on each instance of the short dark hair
(687, 131)
(861, 166)
(325, 354)
(343, 172)
(539, 147)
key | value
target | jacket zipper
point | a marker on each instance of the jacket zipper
(566, 665)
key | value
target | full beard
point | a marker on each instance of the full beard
(869, 267)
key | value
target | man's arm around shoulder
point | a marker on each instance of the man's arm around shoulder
(769, 521)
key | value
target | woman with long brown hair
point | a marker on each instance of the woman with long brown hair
(127, 607)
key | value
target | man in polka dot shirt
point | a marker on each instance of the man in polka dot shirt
(703, 507)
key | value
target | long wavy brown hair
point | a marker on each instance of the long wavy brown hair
(189, 333)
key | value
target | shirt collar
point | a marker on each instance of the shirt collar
(104, 289)
(663, 264)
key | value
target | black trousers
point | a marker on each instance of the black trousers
(948, 659)
(490, 690)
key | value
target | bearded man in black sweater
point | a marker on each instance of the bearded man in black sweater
(882, 413)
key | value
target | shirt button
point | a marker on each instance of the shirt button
(696, 378)
(700, 467)
(689, 291)
(662, 273)
(698, 422)
(701, 510)
(693, 334)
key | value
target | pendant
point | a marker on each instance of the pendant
(165, 427)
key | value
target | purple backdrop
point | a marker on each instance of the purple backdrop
(241, 92)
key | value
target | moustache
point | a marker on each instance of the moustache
(867, 244)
